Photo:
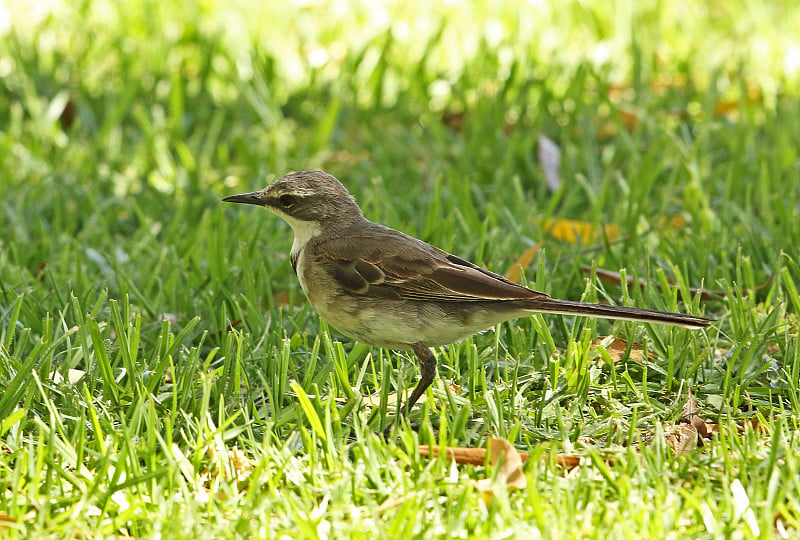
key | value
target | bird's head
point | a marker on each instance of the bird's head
(305, 198)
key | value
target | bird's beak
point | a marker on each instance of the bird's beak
(246, 198)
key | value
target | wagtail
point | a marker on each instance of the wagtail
(387, 289)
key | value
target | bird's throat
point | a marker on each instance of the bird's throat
(304, 231)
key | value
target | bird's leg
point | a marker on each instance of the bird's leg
(427, 370)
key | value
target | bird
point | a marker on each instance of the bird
(387, 289)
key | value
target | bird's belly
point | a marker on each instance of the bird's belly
(403, 323)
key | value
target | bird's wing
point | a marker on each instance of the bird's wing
(386, 263)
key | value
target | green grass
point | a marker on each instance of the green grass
(213, 402)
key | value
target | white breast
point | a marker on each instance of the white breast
(304, 231)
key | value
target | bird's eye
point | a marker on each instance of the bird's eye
(286, 201)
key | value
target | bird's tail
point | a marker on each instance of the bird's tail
(566, 307)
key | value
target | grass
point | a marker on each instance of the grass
(206, 399)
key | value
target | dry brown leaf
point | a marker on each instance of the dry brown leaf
(454, 120)
(685, 437)
(611, 128)
(690, 408)
(462, 456)
(574, 232)
(682, 438)
(565, 461)
(692, 432)
(703, 429)
(616, 347)
(725, 107)
(477, 456)
(514, 272)
(40, 273)
(509, 476)
(509, 123)
(226, 464)
(607, 131)
(503, 452)
(67, 116)
(282, 298)
(242, 465)
(691, 417)
(754, 424)
(628, 119)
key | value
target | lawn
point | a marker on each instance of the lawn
(164, 376)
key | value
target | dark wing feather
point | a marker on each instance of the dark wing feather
(385, 263)
(348, 276)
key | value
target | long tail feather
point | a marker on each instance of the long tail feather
(566, 307)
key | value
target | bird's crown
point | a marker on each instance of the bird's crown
(306, 184)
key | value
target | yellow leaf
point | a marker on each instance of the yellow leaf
(514, 272)
(678, 221)
(573, 231)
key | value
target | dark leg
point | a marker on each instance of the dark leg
(427, 370)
